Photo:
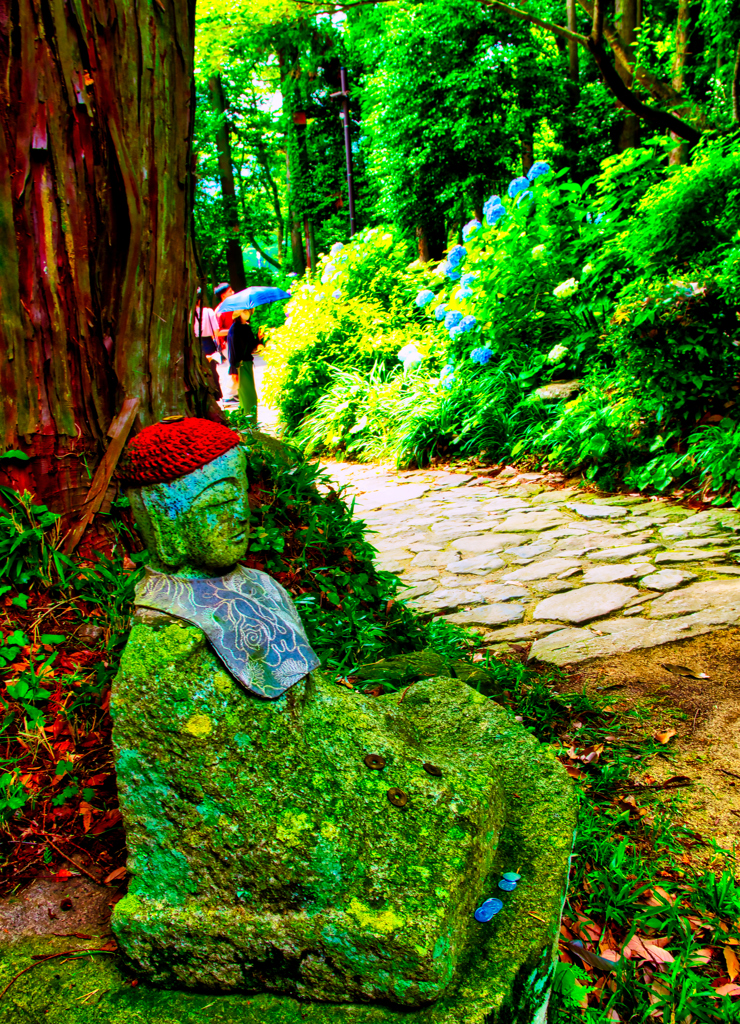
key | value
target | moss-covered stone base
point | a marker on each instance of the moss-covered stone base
(268, 855)
(98, 990)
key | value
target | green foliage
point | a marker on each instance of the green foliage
(586, 280)
(29, 535)
(690, 215)
(358, 314)
(716, 449)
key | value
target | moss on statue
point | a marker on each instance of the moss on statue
(267, 855)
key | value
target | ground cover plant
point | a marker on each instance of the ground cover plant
(651, 923)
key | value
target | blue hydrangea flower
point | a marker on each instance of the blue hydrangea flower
(493, 210)
(337, 247)
(450, 271)
(424, 298)
(329, 271)
(448, 382)
(463, 292)
(447, 371)
(453, 318)
(440, 311)
(516, 186)
(467, 323)
(467, 279)
(455, 332)
(456, 255)
(470, 229)
(481, 355)
(538, 169)
(336, 294)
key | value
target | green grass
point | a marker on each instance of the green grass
(631, 851)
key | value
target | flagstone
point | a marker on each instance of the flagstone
(690, 556)
(620, 553)
(487, 615)
(481, 565)
(613, 573)
(597, 511)
(666, 579)
(445, 601)
(586, 603)
(541, 570)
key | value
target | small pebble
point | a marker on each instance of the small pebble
(487, 910)
(506, 885)
(511, 876)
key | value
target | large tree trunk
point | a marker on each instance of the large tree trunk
(680, 155)
(96, 287)
(234, 255)
(627, 14)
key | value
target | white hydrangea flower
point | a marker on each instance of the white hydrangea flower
(556, 354)
(566, 289)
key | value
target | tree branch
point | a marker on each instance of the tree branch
(656, 118)
(261, 251)
(525, 16)
(660, 90)
(600, 28)
(597, 22)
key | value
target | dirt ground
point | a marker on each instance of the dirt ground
(705, 714)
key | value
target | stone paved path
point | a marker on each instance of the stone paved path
(522, 560)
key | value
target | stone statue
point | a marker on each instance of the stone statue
(290, 837)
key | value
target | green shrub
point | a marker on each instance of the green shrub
(357, 312)
(685, 218)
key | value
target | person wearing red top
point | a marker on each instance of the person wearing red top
(223, 291)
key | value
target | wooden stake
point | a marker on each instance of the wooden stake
(119, 431)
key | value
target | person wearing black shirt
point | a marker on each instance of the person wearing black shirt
(241, 344)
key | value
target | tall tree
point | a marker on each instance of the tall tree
(627, 16)
(95, 227)
(234, 255)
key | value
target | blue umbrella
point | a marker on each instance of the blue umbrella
(248, 298)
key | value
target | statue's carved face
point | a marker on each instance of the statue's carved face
(198, 524)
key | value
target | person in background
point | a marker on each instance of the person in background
(206, 327)
(225, 320)
(241, 345)
(223, 291)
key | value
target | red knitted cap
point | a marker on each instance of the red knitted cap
(168, 450)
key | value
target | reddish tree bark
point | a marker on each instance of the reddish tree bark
(96, 286)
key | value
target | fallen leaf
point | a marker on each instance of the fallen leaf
(733, 964)
(638, 947)
(683, 670)
(117, 873)
(665, 895)
(729, 989)
(702, 956)
(86, 810)
(663, 737)
(611, 954)
(592, 959)
(675, 782)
